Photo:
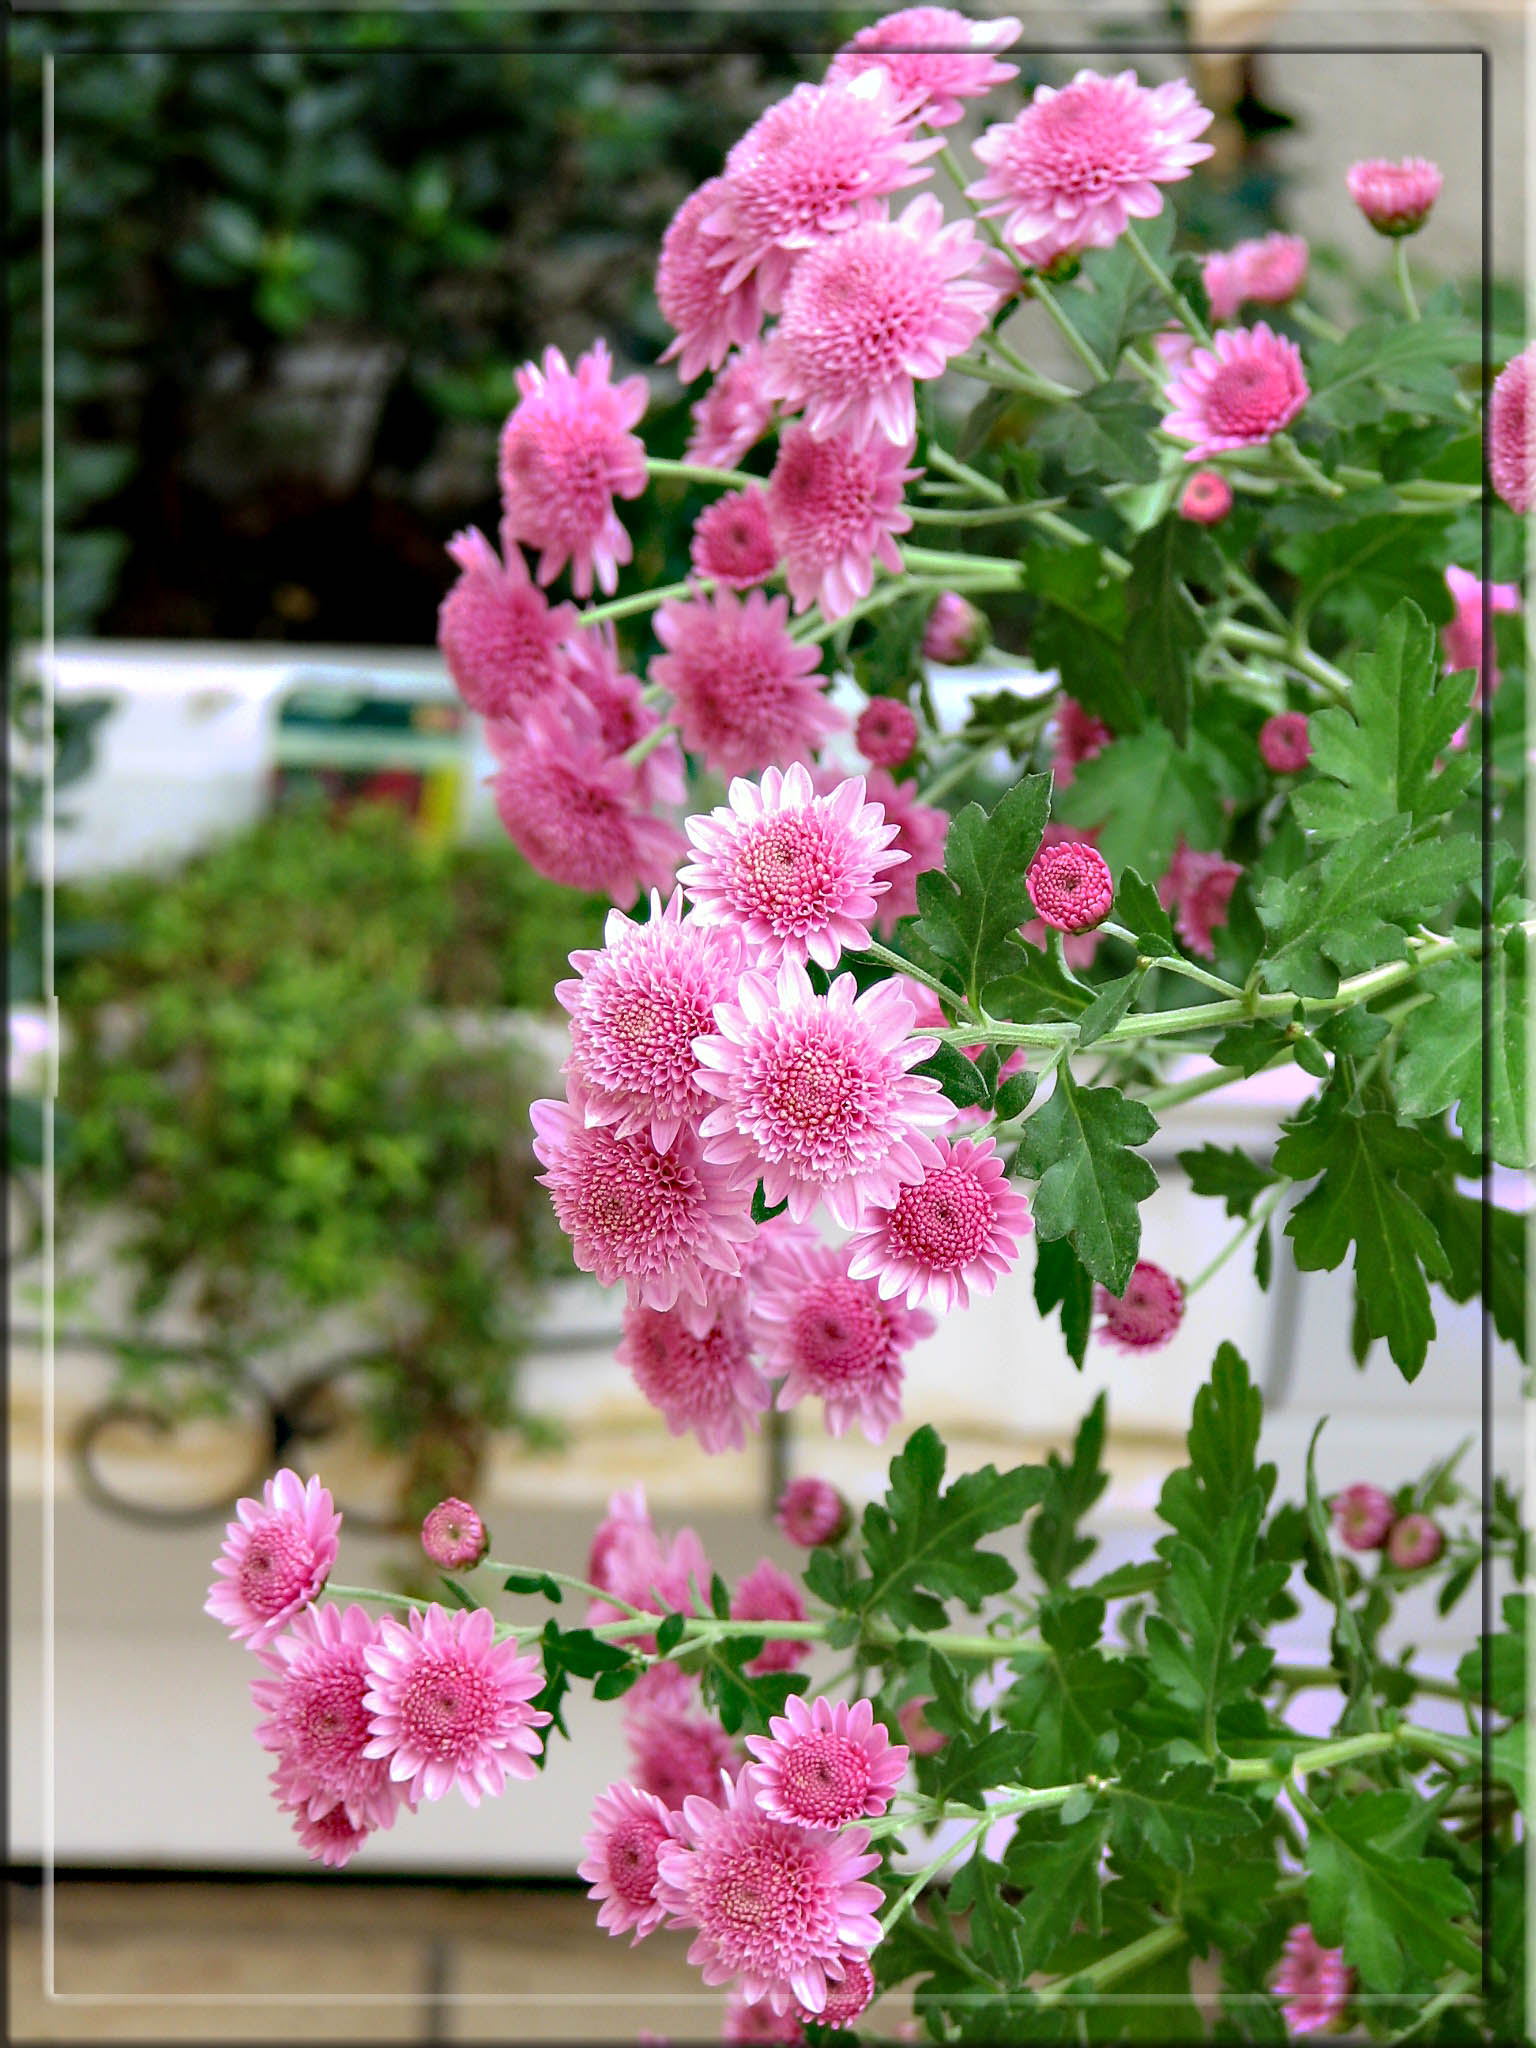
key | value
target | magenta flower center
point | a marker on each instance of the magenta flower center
(840, 1333)
(824, 1780)
(1090, 140)
(631, 1858)
(447, 1708)
(276, 1567)
(329, 1715)
(815, 1088)
(784, 873)
(859, 308)
(1245, 396)
(945, 1221)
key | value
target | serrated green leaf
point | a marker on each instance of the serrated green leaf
(1078, 630)
(1108, 1006)
(1356, 568)
(1225, 1171)
(1077, 1147)
(1065, 1887)
(959, 1077)
(1250, 1046)
(967, 1769)
(920, 1542)
(1104, 432)
(1164, 1814)
(1389, 1911)
(1061, 1278)
(1055, 1547)
(1506, 1661)
(980, 898)
(1408, 363)
(1139, 908)
(1163, 626)
(1072, 1699)
(1441, 1051)
(1029, 988)
(1194, 1641)
(1113, 300)
(1143, 794)
(1460, 1224)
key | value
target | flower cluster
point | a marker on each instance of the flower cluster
(1365, 1518)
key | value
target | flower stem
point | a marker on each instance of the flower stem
(1183, 311)
(875, 951)
(935, 559)
(1257, 640)
(1159, 1941)
(1404, 280)
(641, 601)
(648, 743)
(372, 1593)
(1067, 329)
(698, 472)
(1261, 1215)
(952, 466)
(1314, 322)
(1175, 963)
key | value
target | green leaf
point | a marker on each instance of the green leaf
(1065, 1886)
(1164, 630)
(741, 1700)
(1440, 1054)
(1227, 1172)
(533, 1582)
(1109, 1006)
(1139, 908)
(960, 1078)
(1073, 1698)
(1078, 630)
(1358, 1201)
(669, 1635)
(1380, 755)
(1090, 1182)
(1032, 989)
(457, 1594)
(1194, 1641)
(1113, 300)
(980, 898)
(1060, 1277)
(1459, 1222)
(1159, 1814)
(1143, 794)
(1505, 1653)
(1104, 432)
(1016, 1094)
(1355, 569)
(1055, 1547)
(967, 1769)
(1223, 1452)
(1408, 362)
(1388, 1910)
(1250, 1046)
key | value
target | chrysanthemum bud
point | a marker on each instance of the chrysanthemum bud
(812, 1511)
(1395, 198)
(1415, 1543)
(1312, 1983)
(956, 631)
(1511, 440)
(1362, 1517)
(1207, 498)
(1285, 743)
(886, 732)
(453, 1536)
(1146, 1316)
(1070, 885)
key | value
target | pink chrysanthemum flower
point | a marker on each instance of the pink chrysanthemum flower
(921, 830)
(1207, 498)
(955, 632)
(832, 1337)
(935, 59)
(317, 1723)
(1395, 198)
(1272, 269)
(953, 1230)
(709, 320)
(1415, 1543)
(1237, 393)
(798, 874)
(816, 1094)
(823, 1764)
(1198, 889)
(1146, 1316)
(759, 2026)
(619, 1859)
(333, 1838)
(1071, 886)
(499, 634)
(623, 717)
(768, 1594)
(575, 812)
(566, 454)
(774, 1904)
(835, 510)
(454, 1536)
(1222, 279)
(678, 1750)
(922, 1737)
(732, 540)
(1284, 742)
(450, 1704)
(1312, 1983)
(636, 1007)
(1175, 346)
(745, 695)
(663, 1222)
(277, 1555)
(849, 1997)
(1512, 433)
(813, 166)
(812, 1511)
(733, 414)
(706, 1380)
(886, 732)
(1076, 165)
(627, 1560)
(1462, 639)
(1076, 737)
(1362, 1517)
(868, 312)
(1078, 948)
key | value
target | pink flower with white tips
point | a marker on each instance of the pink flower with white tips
(666, 1223)
(333, 1838)
(705, 1381)
(733, 414)
(636, 1007)
(709, 320)
(745, 695)
(768, 1594)
(1149, 1312)
(774, 1904)
(825, 1763)
(732, 540)
(816, 1094)
(623, 717)
(619, 1859)
(566, 453)
(450, 1704)
(834, 1339)
(935, 59)
(1395, 198)
(1077, 165)
(951, 1231)
(317, 1723)
(811, 167)
(574, 811)
(1312, 1983)
(798, 874)
(1511, 433)
(1238, 393)
(835, 510)
(277, 1554)
(499, 634)
(868, 312)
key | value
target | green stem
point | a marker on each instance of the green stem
(1185, 313)
(1175, 1092)
(875, 951)
(1315, 322)
(936, 559)
(1302, 1677)
(952, 466)
(1160, 1941)
(1304, 468)
(648, 743)
(1257, 640)
(698, 472)
(1176, 964)
(1067, 329)
(993, 515)
(1261, 1215)
(372, 1593)
(642, 601)
(1404, 280)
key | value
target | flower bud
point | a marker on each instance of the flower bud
(956, 631)
(922, 1738)
(887, 730)
(1362, 1516)
(1207, 498)
(812, 1511)
(453, 1536)
(1070, 885)
(1415, 1543)
(1285, 742)
(1395, 198)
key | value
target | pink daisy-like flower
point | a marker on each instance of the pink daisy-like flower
(813, 166)
(812, 1511)
(745, 2023)
(1285, 743)
(450, 1704)
(886, 732)
(575, 812)
(1362, 1517)
(832, 1337)
(1312, 1983)
(1239, 392)
(1462, 639)
(1415, 1543)
(678, 1750)
(1222, 279)
(1198, 889)
(1078, 948)
(453, 1535)
(824, 1764)
(768, 1594)
(704, 1381)
(1070, 885)
(953, 1230)
(935, 59)
(775, 1904)
(1146, 1316)
(636, 1007)
(623, 717)
(849, 1997)
(815, 1092)
(733, 414)
(1395, 198)
(1076, 165)
(1207, 498)
(499, 634)
(732, 540)
(566, 454)
(317, 1722)
(835, 510)
(628, 1561)
(663, 1222)
(868, 312)
(277, 1555)
(709, 320)
(923, 1738)
(921, 830)
(1076, 736)
(1272, 269)
(1512, 433)
(745, 695)
(956, 632)
(333, 1838)
(619, 1859)
(798, 874)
